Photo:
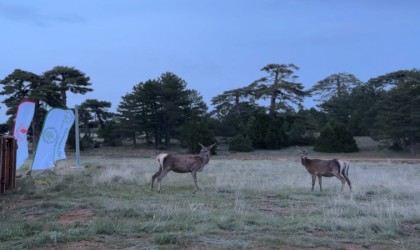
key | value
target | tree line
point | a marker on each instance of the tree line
(267, 113)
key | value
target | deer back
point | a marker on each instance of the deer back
(183, 163)
(325, 168)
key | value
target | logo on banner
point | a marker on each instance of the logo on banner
(50, 135)
(68, 118)
(22, 131)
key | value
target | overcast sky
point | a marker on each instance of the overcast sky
(214, 45)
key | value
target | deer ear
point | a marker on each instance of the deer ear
(201, 145)
(211, 146)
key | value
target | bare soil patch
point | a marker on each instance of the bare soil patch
(82, 215)
(82, 245)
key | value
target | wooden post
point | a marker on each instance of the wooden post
(8, 151)
(2, 172)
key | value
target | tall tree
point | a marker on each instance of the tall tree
(398, 116)
(20, 85)
(362, 108)
(334, 92)
(160, 107)
(233, 100)
(68, 79)
(176, 101)
(335, 85)
(280, 87)
(132, 118)
(233, 108)
(93, 114)
(98, 109)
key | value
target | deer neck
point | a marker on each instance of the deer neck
(205, 158)
(304, 161)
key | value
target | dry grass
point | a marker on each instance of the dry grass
(243, 204)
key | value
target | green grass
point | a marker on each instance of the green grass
(242, 204)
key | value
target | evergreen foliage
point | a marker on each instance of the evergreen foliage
(268, 132)
(240, 143)
(193, 133)
(398, 111)
(275, 136)
(336, 138)
(109, 133)
(68, 79)
(159, 108)
(4, 128)
(257, 129)
(280, 87)
(386, 107)
(302, 130)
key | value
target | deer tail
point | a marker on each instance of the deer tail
(160, 158)
(345, 170)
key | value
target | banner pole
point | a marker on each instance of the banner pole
(76, 124)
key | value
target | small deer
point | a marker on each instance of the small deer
(326, 168)
(182, 164)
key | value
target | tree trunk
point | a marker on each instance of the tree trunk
(156, 139)
(168, 138)
(339, 92)
(412, 145)
(147, 137)
(274, 95)
(134, 140)
(64, 97)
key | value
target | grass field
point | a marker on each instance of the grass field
(243, 204)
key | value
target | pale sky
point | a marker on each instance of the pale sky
(214, 45)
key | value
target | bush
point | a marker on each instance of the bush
(193, 133)
(395, 147)
(268, 132)
(336, 138)
(240, 143)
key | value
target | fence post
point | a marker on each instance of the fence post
(2, 174)
(8, 148)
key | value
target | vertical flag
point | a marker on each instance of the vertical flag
(68, 121)
(53, 138)
(24, 116)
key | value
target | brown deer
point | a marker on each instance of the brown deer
(326, 168)
(182, 164)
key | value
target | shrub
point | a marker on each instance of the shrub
(240, 143)
(335, 138)
(268, 132)
(193, 133)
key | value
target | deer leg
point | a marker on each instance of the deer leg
(194, 175)
(345, 173)
(348, 181)
(313, 181)
(320, 182)
(154, 177)
(160, 177)
(343, 181)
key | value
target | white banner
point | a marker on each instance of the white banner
(68, 121)
(24, 116)
(53, 138)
